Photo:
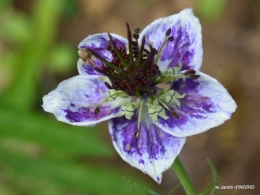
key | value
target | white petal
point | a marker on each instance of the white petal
(187, 45)
(74, 101)
(206, 104)
(151, 149)
(98, 43)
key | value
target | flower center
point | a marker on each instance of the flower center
(134, 71)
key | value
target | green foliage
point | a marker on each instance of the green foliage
(39, 155)
(210, 9)
(213, 183)
(34, 40)
(175, 189)
(235, 192)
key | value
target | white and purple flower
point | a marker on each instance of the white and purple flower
(150, 89)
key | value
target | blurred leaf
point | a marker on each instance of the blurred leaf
(62, 58)
(36, 151)
(30, 57)
(70, 7)
(215, 177)
(15, 28)
(210, 9)
(3, 4)
(54, 136)
(208, 188)
(66, 175)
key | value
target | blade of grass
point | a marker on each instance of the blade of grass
(175, 189)
(209, 187)
(183, 177)
(215, 177)
(133, 184)
(30, 57)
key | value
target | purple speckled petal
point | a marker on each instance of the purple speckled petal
(187, 45)
(74, 101)
(207, 104)
(98, 43)
(86, 68)
(153, 151)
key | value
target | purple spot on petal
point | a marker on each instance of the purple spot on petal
(85, 114)
(181, 49)
(141, 161)
(151, 140)
(89, 69)
(74, 116)
(193, 105)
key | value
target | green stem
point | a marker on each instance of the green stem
(183, 177)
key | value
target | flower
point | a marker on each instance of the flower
(150, 89)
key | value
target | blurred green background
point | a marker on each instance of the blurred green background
(38, 49)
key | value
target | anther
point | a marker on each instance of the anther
(194, 76)
(190, 72)
(97, 110)
(175, 115)
(84, 54)
(168, 32)
(107, 85)
(171, 38)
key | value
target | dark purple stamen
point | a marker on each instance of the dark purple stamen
(134, 72)
(191, 74)
(171, 38)
(97, 110)
(168, 32)
(108, 86)
(175, 114)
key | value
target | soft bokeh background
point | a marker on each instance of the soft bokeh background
(38, 49)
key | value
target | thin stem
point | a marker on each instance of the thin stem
(140, 115)
(183, 177)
